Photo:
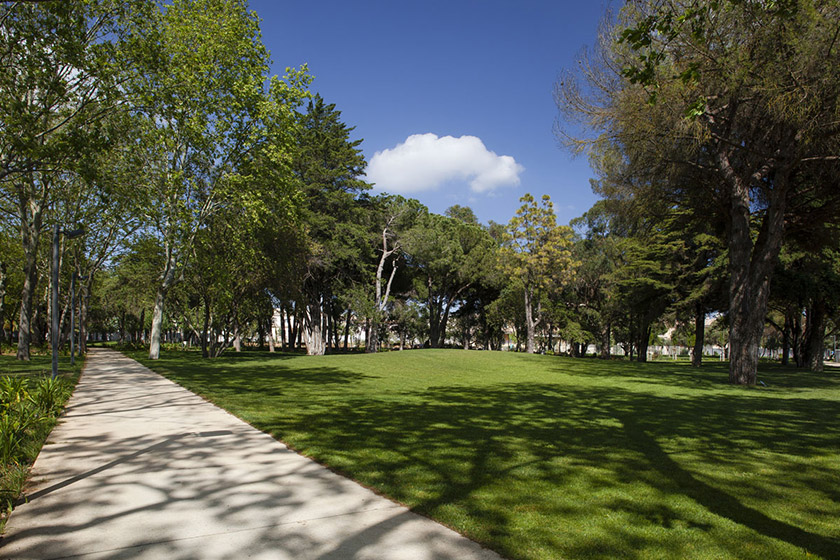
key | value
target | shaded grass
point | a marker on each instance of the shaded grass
(38, 423)
(543, 457)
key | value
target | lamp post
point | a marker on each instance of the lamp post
(69, 234)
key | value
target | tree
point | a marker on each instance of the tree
(127, 289)
(328, 166)
(743, 93)
(644, 283)
(60, 77)
(447, 256)
(806, 284)
(201, 94)
(593, 296)
(392, 217)
(537, 252)
(10, 279)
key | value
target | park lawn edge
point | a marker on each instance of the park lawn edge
(712, 378)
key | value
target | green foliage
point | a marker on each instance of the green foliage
(24, 408)
(448, 256)
(30, 403)
(542, 457)
(730, 86)
(537, 253)
(328, 166)
(536, 250)
(336, 249)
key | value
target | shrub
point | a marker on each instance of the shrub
(50, 394)
(26, 417)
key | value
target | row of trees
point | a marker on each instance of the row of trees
(213, 194)
(135, 119)
(724, 116)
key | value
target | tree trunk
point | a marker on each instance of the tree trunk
(3, 281)
(205, 328)
(367, 331)
(435, 307)
(328, 327)
(84, 307)
(157, 321)
(815, 335)
(642, 340)
(271, 340)
(372, 345)
(605, 342)
(798, 346)
(313, 330)
(380, 302)
(743, 340)
(750, 266)
(292, 330)
(282, 328)
(347, 329)
(167, 280)
(336, 330)
(30, 231)
(699, 336)
(530, 324)
(444, 321)
(786, 341)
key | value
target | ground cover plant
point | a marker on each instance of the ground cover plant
(545, 457)
(30, 403)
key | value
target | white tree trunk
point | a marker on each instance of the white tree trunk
(157, 321)
(313, 330)
(271, 342)
(157, 316)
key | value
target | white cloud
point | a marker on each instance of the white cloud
(425, 161)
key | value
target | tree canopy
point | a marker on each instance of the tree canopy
(226, 207)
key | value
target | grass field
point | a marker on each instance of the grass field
(542, 457)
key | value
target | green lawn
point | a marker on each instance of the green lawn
(547, 457)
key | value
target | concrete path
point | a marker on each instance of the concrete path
(142, 468)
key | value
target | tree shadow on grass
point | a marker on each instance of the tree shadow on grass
(498, 461)
(263, 376)
(711, 374)
(725, 505)
(172, 484)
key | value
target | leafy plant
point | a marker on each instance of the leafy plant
(50, 394)
(13, 390)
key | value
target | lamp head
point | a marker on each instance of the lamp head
(70, 234)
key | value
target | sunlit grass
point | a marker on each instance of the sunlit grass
(546, 457)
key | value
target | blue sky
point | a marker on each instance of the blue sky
(454, 96)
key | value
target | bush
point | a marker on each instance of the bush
(50, 394)
(29, 408)
(25, 410)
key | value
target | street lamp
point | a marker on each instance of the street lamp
(73, 315)
(69, 234)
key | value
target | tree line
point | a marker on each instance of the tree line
(216, 197)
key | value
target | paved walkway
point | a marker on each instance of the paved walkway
(142, 468)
